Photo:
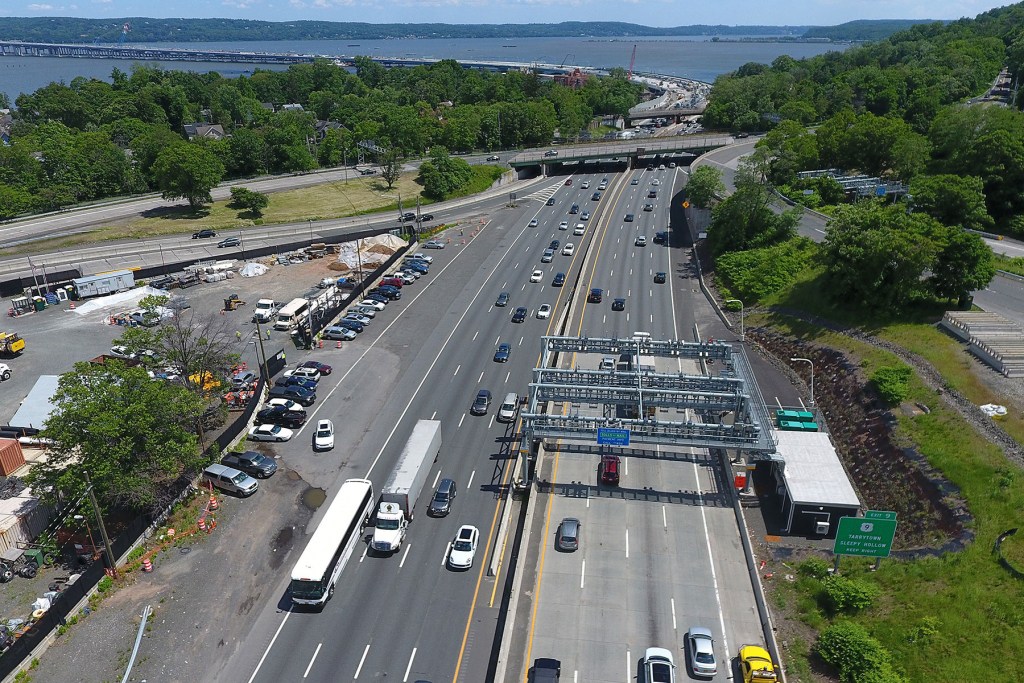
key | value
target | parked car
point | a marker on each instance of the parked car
(244, 380)
(434, 244)
(363, 320)
(203, 234)
(269, 432)
(502, 300)
(279, 415)
(300, 395)
(347, 324)
(463, 548)
(502, 353)
(229, 242)
(123, 352)
(305, 372)
(288, 381)
(482, 403)
(364, 310)
(378, 297)
(322, 368)
(700, 645)
(373, 303)
(252, 463)
(323, 437)
(231, 480)
(658, 666)
(284, 402)
(569, 534)
(441, 503)
(391, 282)
(422, 257)
(338, 333)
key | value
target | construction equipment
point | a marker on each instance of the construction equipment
(632, 60)
(232, 302)
(11, 343)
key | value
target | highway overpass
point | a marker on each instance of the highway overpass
(636, 152)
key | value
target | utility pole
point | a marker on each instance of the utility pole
(264, 370)
(102, 527)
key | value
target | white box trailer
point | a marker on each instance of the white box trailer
(402, 489)
(103, 283)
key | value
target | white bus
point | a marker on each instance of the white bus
(289, 316)
(332, 544)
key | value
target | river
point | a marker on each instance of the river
(696, 57)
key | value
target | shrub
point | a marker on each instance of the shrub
(858, 657)
(814, 567)
(756, 273)
(105, 584)
(893, 383)
(848, 595)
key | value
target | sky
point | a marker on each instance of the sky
(648, 12)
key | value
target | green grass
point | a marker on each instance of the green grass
(483, 178)
(1010, 265)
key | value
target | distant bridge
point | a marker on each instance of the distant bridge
(665, 112)
(633, 152)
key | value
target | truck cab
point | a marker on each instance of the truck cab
(389, 532)
(265, 310)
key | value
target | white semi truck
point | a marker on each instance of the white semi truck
(265, 311)
(402, 489)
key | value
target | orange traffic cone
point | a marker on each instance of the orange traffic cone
(147, 565)
(202, 524)
(214, 505)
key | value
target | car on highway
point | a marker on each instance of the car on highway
(603, 185)
(756, 664)
(551, 153)
(564, 225)
(608, 470)
(229, 242)
(372, 303)
(656, 182)
(596, 295)
(519, 315)
(559, 280)
(640, 241)
(607, 363)
(545, 670)
(653, 194)
(661, 237)
(463, 547)
(252, 463)
(585, 185)
(203, 234)
(618, 304)
(533, 223)
(536, 276)
(660, 277)
(700, 645)
(493, 157)
(323, 437)
(659, 666)
(269, 432)
(407, 216)
(322, 368)
(544, 311)
(433, 244)
(550, 201)
(338, 333)
(548, 256)
(634, 181)
(568, 181)
(444, 494)
(629, 218)
(648, 207)
(574, 209)
(585, 216)
(367, 171)
(568, 249)
(502, 299)
(554, 244)
(279, 415)
(596, 197)
(502, 353)
(579, 229)
(568, 535)
(481, 404)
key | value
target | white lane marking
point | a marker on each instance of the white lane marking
(490, 423)
(652, 317)
(629, 292)
(496, 340)
(361, 660)
(363, 556)
(604, 319)
(515, 266)
(664, 517)
(583, 574)
(612, 273)
(504, 284)
(672, 601)
(444, 557)
(435, 479)
(457, 368)
(433, 415)
(481, 378)
(627, 544)
(629, 666)
(470, 482)
(461, 419)
(508, 376)
(627, 317)
(521, 341)
(310, 666)
(267, 651)
(405, 555)
(711, 562)
(409, 668)
(489, 309)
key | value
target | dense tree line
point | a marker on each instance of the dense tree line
(93, 139)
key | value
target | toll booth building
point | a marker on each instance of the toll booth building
(813, 486)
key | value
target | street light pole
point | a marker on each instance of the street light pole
(811, 363)
(743, 336)
(310, 221)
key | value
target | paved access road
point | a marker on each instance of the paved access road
(1004, 295)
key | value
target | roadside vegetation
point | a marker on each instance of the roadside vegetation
(873, 291)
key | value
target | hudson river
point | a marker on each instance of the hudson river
(695, 57)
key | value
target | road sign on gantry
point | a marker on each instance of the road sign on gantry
(612, 437)
(864, 536)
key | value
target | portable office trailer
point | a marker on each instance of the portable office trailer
(102, 284)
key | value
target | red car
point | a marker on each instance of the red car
(569, 181)
(609, 470)
(322, 368)
(392, 281)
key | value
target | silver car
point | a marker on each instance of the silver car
(701, 647)
(569, 534)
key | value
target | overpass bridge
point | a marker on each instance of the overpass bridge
(631, 151)
(665, 112)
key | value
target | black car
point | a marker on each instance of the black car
(545, 670)
(300, 395)
(441, 504)
(391, 293)
(367, 171)
(426, 217)
(502, 299)
(407, 216)
(629, 218)
(203, 234)
(481, 403)
(648, 207)
(229, 242)
(303, 382)
(555, 244)
(519, 315)
(559, 280)
(279, 415)
(575, 208)
(596, 197)
(596, 295)
(503, 352)
(251, 462)
(353, 325)
(619, 305)
(660, 278)
(661, 238)
(551, 201)
(374, 296)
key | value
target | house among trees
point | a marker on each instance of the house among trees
(213, 131)
(6, 122)
(323, 126)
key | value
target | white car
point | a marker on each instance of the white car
(564, 225)
(323, 437)
(579, 229)
(537, 276)
(423, 257)
(658, 665)
(270, 433)
(287, 403)
(585, 185)
(655, 182)
(308, 373)
(372, 303)
(568, 249)
(406, 278)
(701, 647)
(123, 352)
(544, 311)
(534, 223)
(463, 548)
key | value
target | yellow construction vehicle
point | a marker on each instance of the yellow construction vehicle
(11, 343)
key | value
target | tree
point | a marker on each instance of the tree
(746, 220)
(964, 264)
(859, 657)
(254, 202)
(789, 148)
(390, 169)
(133, 435)
(442, 175)
(187, 171)
(952, 200)
(704, 184)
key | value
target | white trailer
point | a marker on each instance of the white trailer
(400, 493)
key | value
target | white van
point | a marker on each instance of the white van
(507, 411)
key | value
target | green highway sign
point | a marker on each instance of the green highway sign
(864, 536)
(879, 514)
